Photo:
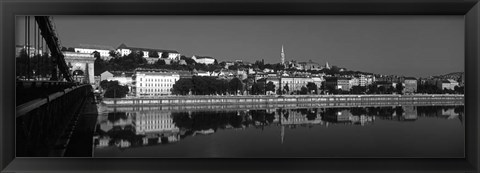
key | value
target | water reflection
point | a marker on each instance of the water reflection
(157, 127)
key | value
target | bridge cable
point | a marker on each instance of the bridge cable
(28, 47)
(39, 55)
(35, 49)
(25, 46)
(40, 42)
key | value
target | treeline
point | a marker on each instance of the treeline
(204, 85)
(136, 60)
(433, 89)
(399, 89)
(39, 65)
(113, 89)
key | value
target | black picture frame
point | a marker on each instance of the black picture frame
(8, 9)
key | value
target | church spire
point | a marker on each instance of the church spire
(283, 56)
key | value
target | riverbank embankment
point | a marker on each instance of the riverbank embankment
(275, 99)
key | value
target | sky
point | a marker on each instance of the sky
(417, 46)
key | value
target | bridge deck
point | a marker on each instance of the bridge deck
(81, 141)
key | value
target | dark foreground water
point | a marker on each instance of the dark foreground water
(399, 131)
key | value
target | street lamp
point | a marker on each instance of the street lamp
(75, 76)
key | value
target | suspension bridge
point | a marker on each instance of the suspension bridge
(51, 93)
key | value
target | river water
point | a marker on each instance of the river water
(387, 131)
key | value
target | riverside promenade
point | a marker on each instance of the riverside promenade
(283, 99)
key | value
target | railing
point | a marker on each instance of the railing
(31, 90)
(42, 122)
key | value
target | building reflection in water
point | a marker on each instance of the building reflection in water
(156, 127)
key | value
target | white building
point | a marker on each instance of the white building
(154, 122)
(122, 80)
(29, 50)
(203, 73)
(362, 80)
(203, 59)
(318, 81)
(447, 84)
(293, 83)
(355, 81)
(153, 83)
(124, 50)
(105, 75)
(103, 50)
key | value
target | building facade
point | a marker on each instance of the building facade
(310, 65)
(447, 84)
(154, 83)
(293, 83)
(103, 50)
(340, 83)
(410, 85)
(203, 59)
(83, 63)
(105, 75)
(32, 51)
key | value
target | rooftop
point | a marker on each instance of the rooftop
(100, 47)
(202, 57)
(410, 78)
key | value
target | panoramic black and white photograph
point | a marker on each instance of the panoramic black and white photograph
(319, 86)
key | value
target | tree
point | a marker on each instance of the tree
(116, 91)
(183, 86)
(99, 66)
(399, 88)
(372, 89)
(104, 84)
(127, 63)
(114, 54)
(358, 90)
(255, 89)
(113, 89)
(286, 89)
(322, 88)
(331, 89)
(159, 63)
(189, 61)
(335, 70)
(138, 53)
(270, 86)
(153, 54)
(96, 54)
(164, 54)
(459, 90)
(312, 88)
(200, 85)
(304, 90)
(21, 63)
(382, 89)
(235, 85)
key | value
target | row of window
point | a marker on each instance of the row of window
(155, 90)
(157, 85)
(158, 127)
(158, 80)
(163, 121)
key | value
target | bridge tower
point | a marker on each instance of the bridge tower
(83, 62)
